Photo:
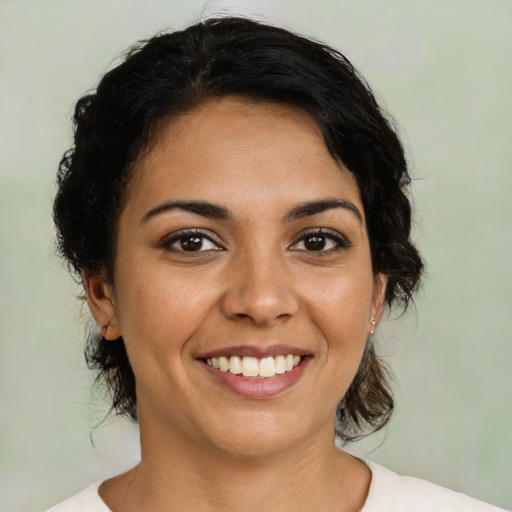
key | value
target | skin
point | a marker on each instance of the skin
(254, 282)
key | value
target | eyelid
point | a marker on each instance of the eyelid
(341, 240)
(171, 238)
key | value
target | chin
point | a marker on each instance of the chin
(255, 446)
(260, 435)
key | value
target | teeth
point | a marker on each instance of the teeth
(235, 365)
(254, 367)
(267, 367)
(223, 364)
(250, 367)
(280, 363)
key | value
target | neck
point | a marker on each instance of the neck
(180, 475)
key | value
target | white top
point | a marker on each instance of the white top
(389, 492)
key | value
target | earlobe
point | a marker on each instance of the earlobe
(100, 299)
(378, 301)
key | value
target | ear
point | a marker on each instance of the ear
(100, 298)
(378, 301)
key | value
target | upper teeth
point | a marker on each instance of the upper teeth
(253, 366)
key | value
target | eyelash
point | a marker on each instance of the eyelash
(181, 236)
(322, 234)
(326, 234)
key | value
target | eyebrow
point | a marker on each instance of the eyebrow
(314, 207)
(214, 211)
(198, 207)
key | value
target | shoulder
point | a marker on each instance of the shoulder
(390, 492)
(86, 501)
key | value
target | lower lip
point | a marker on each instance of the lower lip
(254, 387)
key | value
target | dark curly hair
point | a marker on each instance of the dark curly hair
(172, 73)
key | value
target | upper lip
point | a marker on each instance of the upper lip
(254, 351)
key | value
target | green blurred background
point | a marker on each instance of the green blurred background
(444, 71)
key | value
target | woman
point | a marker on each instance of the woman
(236, 206)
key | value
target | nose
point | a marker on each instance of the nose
(260, 291)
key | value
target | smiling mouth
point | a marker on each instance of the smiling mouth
(263, 367)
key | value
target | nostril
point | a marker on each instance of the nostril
(262, 300)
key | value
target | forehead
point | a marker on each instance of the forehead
(241, 151)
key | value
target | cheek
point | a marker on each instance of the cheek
(342, 303)
(162, 307)
(341, 307)
(158, 315)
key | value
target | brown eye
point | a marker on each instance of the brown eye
(321, 241)
(314, 243)
(191, 243)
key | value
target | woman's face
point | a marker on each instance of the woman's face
(242, 244)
